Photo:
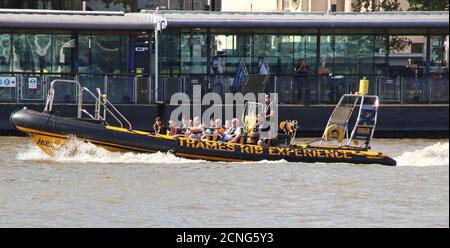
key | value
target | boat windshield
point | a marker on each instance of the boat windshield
(251, 112)
(337, 128)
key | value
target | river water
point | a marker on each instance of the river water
(91, 187)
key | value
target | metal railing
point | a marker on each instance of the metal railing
(426, 89)
(100, 101)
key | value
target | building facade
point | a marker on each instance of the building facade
(211, 5)
(296, 5)
(404, 56)
(42, 4)
(116, 53)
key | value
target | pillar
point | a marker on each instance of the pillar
(348, 6)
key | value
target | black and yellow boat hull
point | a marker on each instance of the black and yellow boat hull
(49, 130)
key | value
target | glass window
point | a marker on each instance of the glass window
(224, 52)
(192, 5)
(84, 54)
(41, 53)
(244, 45)
(175, 4)
(326, 55)
(439, 54)
(447, 52)
(347, 54)
(169, 57)
(219, 45)
(407, 55)
(5, 52)
(193, 53)
(244, 51)
(344, 59)
(265, 46)
(109, 54)
(185, 54)
(286, 55)
(63, 53)
(103, 54)
(305, 48)
(380, 54)
(31, 52)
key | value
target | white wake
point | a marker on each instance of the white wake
(84, 152)
(433, 155)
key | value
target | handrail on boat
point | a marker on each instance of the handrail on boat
(98, 103)
(51, 95)
(100, 100)
(118, 112)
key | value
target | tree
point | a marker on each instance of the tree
(428, 5)
(396, 43)
(127, 5)
(376, 5)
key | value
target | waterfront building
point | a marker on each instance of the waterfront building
(403, 54)
(297, 5)
(99, 5)
(93, 45)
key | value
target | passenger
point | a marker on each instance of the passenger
(219, 129)
(227, 124)
(195, 132)
(266, 124)
(212, 123)
(263, 70)
(187, 124)
(211, 132)
(262, 142)
(268, 107)
(323, 70)
(301, 78)
(158, 128)
(254, 134)
(211, 128)
(234, 133)
(207, 132)
(173, 130)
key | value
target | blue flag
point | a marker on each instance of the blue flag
(241, 72)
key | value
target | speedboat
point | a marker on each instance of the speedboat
(339, 143)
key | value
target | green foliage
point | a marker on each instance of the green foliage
(394, 5)
(396, 43)
(428, 5)
(127, 5)
(390, 5)
(376, 5)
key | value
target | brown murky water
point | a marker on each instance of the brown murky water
(95, 188)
